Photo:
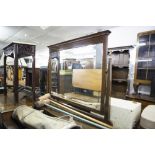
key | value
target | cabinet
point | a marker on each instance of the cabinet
(55, 69)
(120, 70)
(1, 80)
(145, 61)
(28, 81)
(17, 51)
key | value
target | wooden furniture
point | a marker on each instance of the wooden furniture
(54, 70)
(43, 80)
(29, 75)
(145, 61)
(120, 70)
(97, 38)
(1, 76)
(16, 51)
(87, 79)
(1, 85)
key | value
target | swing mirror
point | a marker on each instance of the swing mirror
(77, 74)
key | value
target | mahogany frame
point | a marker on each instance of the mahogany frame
(100, 37)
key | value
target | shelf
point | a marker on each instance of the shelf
(120, 67)
(142, 97)
(1, 87)
(120, 70)
(120, 51)
(66, 72)
(145, 82)
(120, 80)
(145, 59)
(142, 68)
(54, 86)
(121, 48)
(54, 72)
(146, 44)
(147, 68)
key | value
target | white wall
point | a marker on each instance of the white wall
(120, 36)
(126, 35)
(42, 58)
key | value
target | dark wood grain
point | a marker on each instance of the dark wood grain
(82, 41)
(100, 37)
(16, 51)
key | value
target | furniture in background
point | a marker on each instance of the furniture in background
(145, 66)
(54, 71)
(16, 51)
(43, 80)
(1, 79)
(29, 75)
(120, 70)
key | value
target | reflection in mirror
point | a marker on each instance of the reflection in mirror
(23, 64)
(77, 74)
(55, 74)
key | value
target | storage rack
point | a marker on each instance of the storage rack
(54, 71)
(120, 70)
(145, 62)
(16, 51)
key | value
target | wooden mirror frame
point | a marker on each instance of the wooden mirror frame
(100, 37)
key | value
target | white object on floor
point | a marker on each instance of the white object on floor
(32, 118)
(147, 120)
(124, 114)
